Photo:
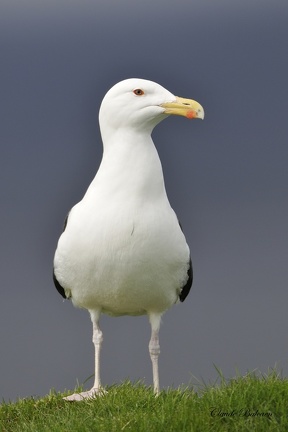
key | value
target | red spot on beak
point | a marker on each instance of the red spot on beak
(191, 114)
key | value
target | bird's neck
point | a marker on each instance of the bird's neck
(131, 166)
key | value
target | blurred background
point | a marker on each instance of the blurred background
(226, 178)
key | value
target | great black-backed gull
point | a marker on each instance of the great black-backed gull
(122, 251)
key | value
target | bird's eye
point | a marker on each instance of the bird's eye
(138, 92)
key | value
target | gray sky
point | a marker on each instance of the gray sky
(226, 178)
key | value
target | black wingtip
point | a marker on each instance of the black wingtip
(65, 222)
(186, 288)
(59, 287)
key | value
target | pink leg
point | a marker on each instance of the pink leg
(96, 390)
(154, 349)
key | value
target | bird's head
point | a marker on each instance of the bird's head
(142, 104)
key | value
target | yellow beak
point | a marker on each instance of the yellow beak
(184, 107)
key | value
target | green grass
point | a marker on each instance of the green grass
(250, 403)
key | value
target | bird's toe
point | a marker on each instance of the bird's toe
(90, 394)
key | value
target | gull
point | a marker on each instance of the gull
(123, 251)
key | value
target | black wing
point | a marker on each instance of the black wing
(59, 287)
(186, 288)
(65, 222)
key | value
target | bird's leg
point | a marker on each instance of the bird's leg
(154, 349)
(97, 340)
